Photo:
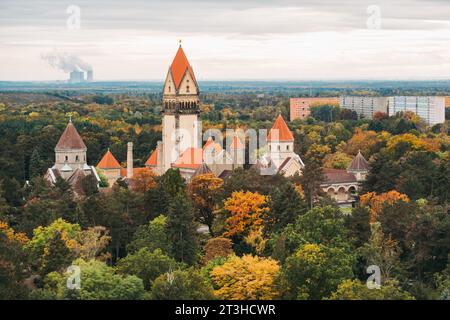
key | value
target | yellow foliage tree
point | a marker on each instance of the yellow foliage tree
(246, 278)
(361, 140)
(377, 201)
(415, 142)
(12, 235)
(246, 212)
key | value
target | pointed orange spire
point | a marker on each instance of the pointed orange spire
(153, 159)
(280, 131)
(236, 143)
(179, 66)
(108, 162)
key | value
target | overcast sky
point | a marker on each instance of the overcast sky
(230, 39)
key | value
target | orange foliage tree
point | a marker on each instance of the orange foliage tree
(203, 191)
(376, 202)
(361, 140)
(247, 211)
(414, 142)
(143, 180)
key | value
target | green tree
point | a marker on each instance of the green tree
(182, 230)
(97, 282)
(285, 206)
(152, 236)
(314, 271)
(181, 285)
(36, 164)
(146, 264)
(357, 290)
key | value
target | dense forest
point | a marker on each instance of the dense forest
(270, 237)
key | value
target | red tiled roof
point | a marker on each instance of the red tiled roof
(108, 162)
(280, 131)
(338, 176)
(70, 139)
(191, 158)
(210, 143)
(179, 66)
(123, 171)
(153, 159)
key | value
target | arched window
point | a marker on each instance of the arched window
(77, 158)
(287, 147)
(66, 158)
(169, 88)
(279, 148)
(187, 88)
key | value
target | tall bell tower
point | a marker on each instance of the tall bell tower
(181, 109)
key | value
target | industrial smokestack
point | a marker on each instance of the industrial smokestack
(130, 160)
(90, 76)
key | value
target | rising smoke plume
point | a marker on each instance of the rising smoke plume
(66, 61)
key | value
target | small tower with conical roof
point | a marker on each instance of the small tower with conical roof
(280, 142)
(359, 167)
(70, 151)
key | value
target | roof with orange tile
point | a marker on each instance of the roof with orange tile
(108, 162)
(236, 143)
(153, 159)
(210, 143)
(179, 66)
(280, 131)
(191, 158)
(123, 171)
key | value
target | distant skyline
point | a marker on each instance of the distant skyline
(229, 40)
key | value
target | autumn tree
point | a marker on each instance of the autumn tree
(246, 278)
(13, 263)
(53, 247)
(217, 247)
(246, 212)
(377, 201)
(142, 181)
(204, 191)
(363, 141)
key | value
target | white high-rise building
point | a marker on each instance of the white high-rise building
(365, 107)
(430, 108)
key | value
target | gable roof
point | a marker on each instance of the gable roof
(108, 162)
(333, 176)
(211, 144)
(191, 158)
(70, 139)
(280, 131)
(153, 159)
(179, 66)
(359, 163)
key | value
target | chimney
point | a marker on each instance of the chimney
(130, 160)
